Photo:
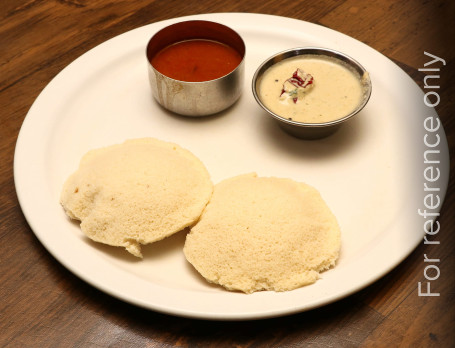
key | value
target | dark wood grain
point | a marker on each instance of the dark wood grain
(44, 305)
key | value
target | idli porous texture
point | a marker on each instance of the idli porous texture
(261, 233)
(137, 192)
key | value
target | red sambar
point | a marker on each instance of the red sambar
(196, 60)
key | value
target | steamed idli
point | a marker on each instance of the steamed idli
(263, 234)
(137, 192)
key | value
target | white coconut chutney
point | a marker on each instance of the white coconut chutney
(311, 89)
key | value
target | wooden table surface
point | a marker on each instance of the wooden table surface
(44, 305)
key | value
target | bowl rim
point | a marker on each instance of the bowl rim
(313, 50)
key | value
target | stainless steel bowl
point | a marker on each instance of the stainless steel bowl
(196, 98)
(311, 130)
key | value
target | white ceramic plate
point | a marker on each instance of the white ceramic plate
(370, 172)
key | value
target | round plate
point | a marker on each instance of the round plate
(370, 172)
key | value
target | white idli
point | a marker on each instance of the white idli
(137, 192)
(263, 234)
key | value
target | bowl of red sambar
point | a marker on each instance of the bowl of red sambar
(196, 67)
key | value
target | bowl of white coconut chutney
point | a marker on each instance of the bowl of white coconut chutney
(311, 91)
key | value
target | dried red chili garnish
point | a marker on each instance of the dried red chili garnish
(299, 79)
